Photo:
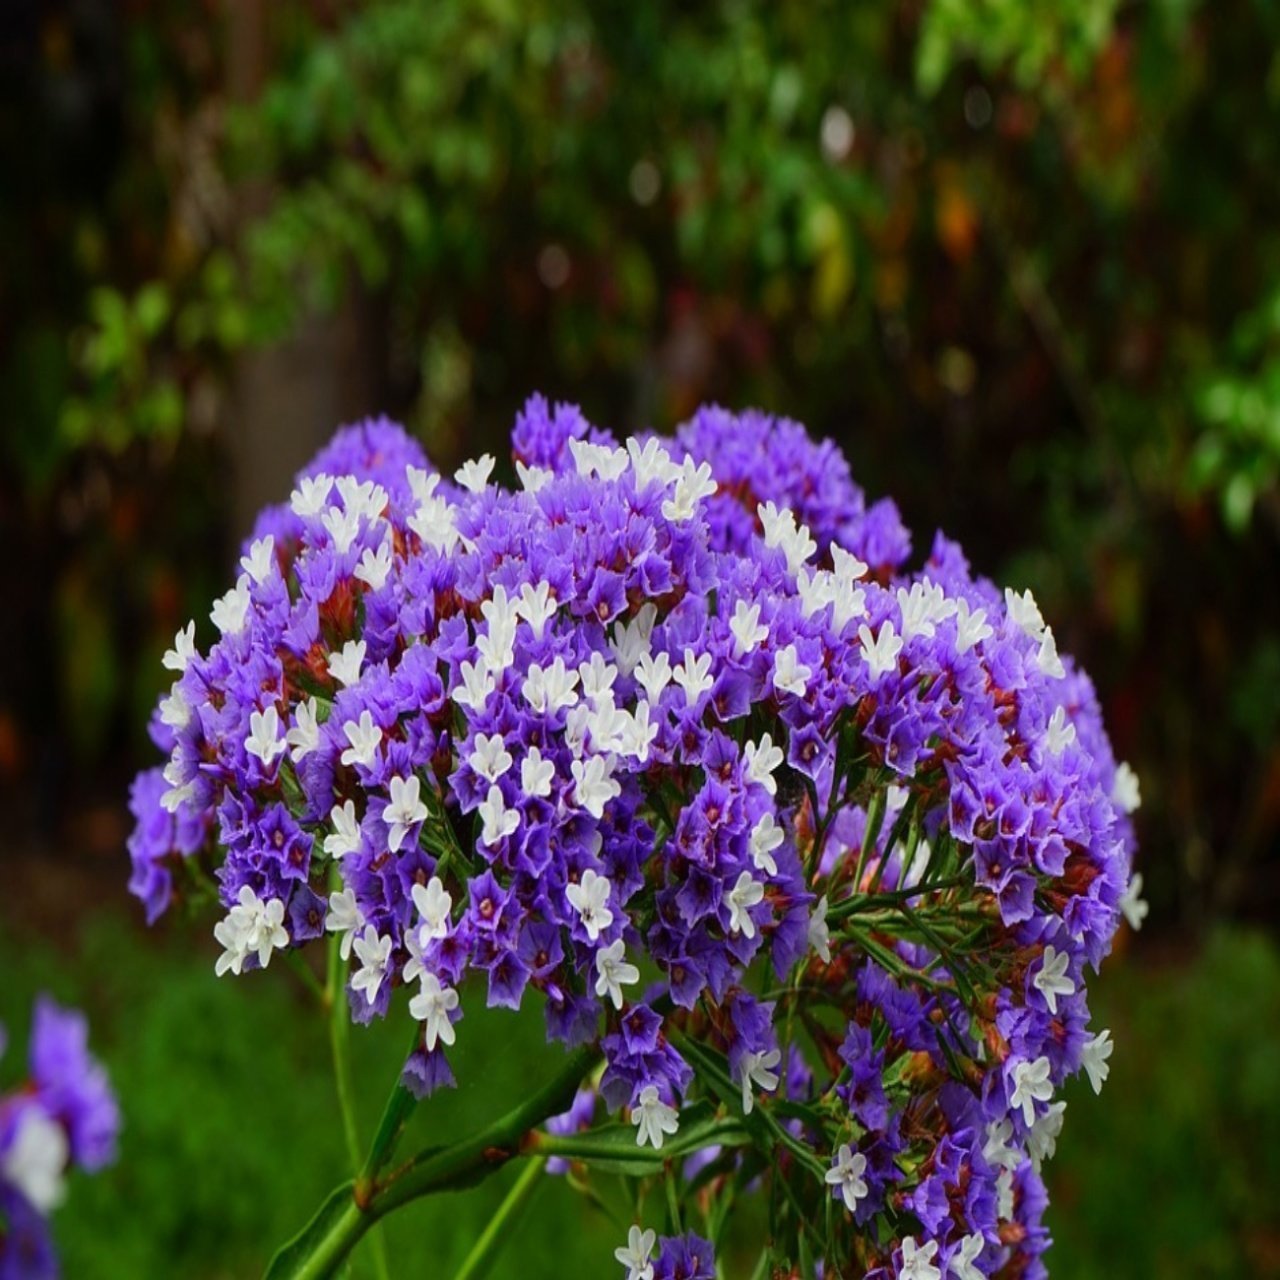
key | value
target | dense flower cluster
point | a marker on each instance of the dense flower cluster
(64, 1115)
(670, 736)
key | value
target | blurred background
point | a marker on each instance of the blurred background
(1021, 261)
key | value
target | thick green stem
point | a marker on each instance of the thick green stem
(339, 1026)
(494, 1236)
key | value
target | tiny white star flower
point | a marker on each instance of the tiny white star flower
(364, 737)
(251, 927)
(848, 568)
(1133, 904)
(918, 608)
(614, 971)
(435, 523)
(260, 561)
(36, 1162)
(760, 761)
(374, 954)
(375, 566)
(433, 904)
(880, 652)
(498, 821)
(766, 836)
(1097, 1049)
(422, 484)
(549, 689)
(1125, 792)
(230, 611)
(746, 893)
(304, 737)
(311, 496)
(963, 1263)
(1060, 733)
(972, 627)
(184, 649)
(638, 734)
(363, 498)
(264, 740)
(651, 463)
(536, 774)
(346, 831)
(590, 899)
(747, 629)
(598, 459)
(694, 676)
(1051, 978)
(342, 526)
(790, 675)
(476, 686)
(345, 667)
(1047, 658)
(630, 641)
(474, 475)
(593, 784)
(635, 1256)
(819, 934)
(1031, 1084)
(653, 1118)
(537, 606)
(653, 673)
(1042, 1140)
(1024, 611)
(998, 1149)
(432, 1006)
(692, 485)
(756, 1069)
(781, 531)
(405, 811)
(532, 479)
(917, 1260)
(845, 1175)
(490, 757)
(174, 711)
(597, 678)
(345, 917)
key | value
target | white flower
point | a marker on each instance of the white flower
(694, 676)
(761, 760)
(971, 627)
(490, 757)
(880, 652)
(374, 954)
(184, 649)
(537, 606)
(846, 1175)
(260, 561)
(790, 675)
(692, 485)
(498, 821)
(848, 568)
(548, 689)
(434, 523)
(1051, 978)
(746, 628)
(174, 711)
(635, 1257)
(653, 1118)
(651, 463)
(1097, 1049)
(766, 836)
(590, 899)
(405, 811)
(346, 831)
(304, 737)
(1133, 904)
(614, 971)
(433, 905)
(1042, 1139)
(432, 1006)
(344, 917)
(819, 934)
(746, 893)
(251, 927)
(781, 530)
(998, 1149)
(962, 1263)
(364, 737)
(917, 1260)
(630, 641)
(593, 784)
(375, 566)
(474, 475)
(1031, 1084)
(1125, 792)
(364, 498)
(637, 734)
(597, 678)
(345, 667)
(476, 686)
(311, 496)
(1004, 1195)
(36, 1161)
(653, 673)
(536, 774)
(1047, 658)
(497, 648)
(598, 459)
(532, 479)
(1059, 734)
(264, 739)
(1025, 612)
(342, 526)
(757, 1069)
(230, 611)
(921, 607)
(422, 484)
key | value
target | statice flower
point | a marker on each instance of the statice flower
(816, 850)
(63, 1116)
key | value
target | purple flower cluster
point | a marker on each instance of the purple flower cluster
(678, 703)
(64, 1115)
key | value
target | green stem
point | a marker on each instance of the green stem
(339, 1025)
(494, 1236)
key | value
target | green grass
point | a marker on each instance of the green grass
(232, 1135)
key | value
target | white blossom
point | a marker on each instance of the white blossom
(345, 917)
(819, 934)
(433, 904)
(375, 566)
(653, 1118)
(694, 483)
(760, 761)
(304, 737)
(36, 1160)
(639, 1247)
(342, 526)
(963, 1263)
(184, 649)
(364, 737)
(537, 606)
(651, 463)
(614, 971)
(230, 611)
(748, 632)
(432, 1006)
(405, 810)
(311, 496)
(260, 561)
(497, 820)
(746, 893)
(264, 739)
(694, 676)
(590, 899)
(345, 666)
(1042, 1138)
(251, 927)
(972, 627)
(1126, 795)
(474, 475)
(845, 1175)
(1097, 1049)
(374, 954)
(489, 756)
(346, 831)
(536, 774)
(1024, 611)
(766, 836)
(593, 784)
(1051, 978)
(1133, 904)
(1059, 733)
(475, 687)
(630, 643)
(597, 677)
(756, 1069)
(917, 1260)
(1047, 657)
(549, 689)
(880, 652)
(653, 674)
(1031, 1084)
(532, 479)
(790, 675)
